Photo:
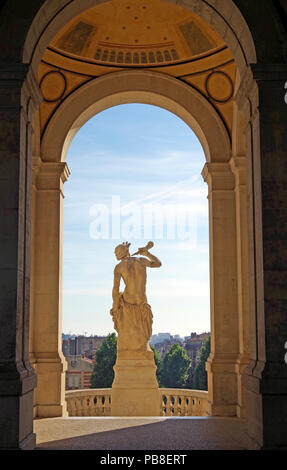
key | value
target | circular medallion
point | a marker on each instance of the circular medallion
(219, 86)
(53, 86)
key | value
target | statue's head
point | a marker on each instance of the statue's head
(122, 251)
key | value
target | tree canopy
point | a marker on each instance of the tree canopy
(103, 372)
(158, 363)
(200, 374)
(175, 367)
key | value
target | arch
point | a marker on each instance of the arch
(142, 87)
(253, 34)
(224, 17)
(197, 112)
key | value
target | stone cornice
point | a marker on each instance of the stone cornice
(51, 175)
(218, 176)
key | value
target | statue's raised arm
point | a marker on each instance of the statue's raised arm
(153, 261)
(131, 313)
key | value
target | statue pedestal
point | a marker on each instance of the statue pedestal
(135, 389)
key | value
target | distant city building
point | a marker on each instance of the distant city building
(193, 344)
(79, 352)
(178, 338)
(163, 342)
(159, 338)
(78, 372)
(77, 345)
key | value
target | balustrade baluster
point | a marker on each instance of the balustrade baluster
(169, 406)
(196, 407)
(84, 406)
(185, 405)
(77, 407)
(69, 406)
(180, 405)
(98, 405)
(89, 405)
(163, 402)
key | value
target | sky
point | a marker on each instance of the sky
(136, 176)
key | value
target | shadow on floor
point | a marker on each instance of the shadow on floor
(168, 434)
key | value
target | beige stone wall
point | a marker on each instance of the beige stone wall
(255, 35)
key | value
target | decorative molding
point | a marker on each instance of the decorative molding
(209, 91)
(175, 61)
(61, 93)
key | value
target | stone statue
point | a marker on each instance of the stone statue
(131, 313)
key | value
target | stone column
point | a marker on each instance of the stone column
(20, 97)
(46, 350)
(222, 362)
(238, 166)
(261, 97)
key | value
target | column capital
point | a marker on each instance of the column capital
(238, 167)
(51, 175)
(218, 176)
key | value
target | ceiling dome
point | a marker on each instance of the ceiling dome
(123, 35)
(137, 33)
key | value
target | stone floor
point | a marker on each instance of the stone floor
(140, 433)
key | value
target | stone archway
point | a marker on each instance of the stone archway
(225, 365)
(265, 377)
(136, 86)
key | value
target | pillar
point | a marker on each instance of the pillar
(261, 98)
(48, 359)
(19, 97)
(238, 166)
(222, 362)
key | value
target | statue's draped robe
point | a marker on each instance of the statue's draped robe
(134, 325)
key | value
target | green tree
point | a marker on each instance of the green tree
(103, 372)
(158, 363)
(175, 367)
(200, 374)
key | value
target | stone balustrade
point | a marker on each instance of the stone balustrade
(183, 402)
(89, 402)
(174, 402)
